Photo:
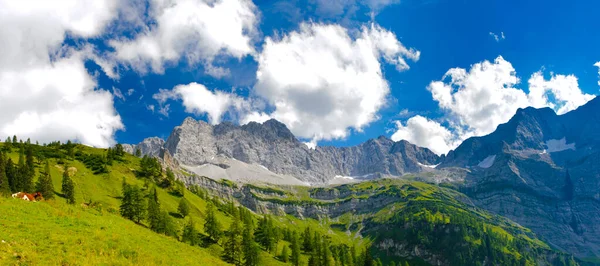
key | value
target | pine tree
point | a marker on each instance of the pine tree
(154, 213)
(211, 225)
(183, 208)
(68, 187)
(233, 243)
(284, 254)
(295, 249)
(14, 140)
(190, 235)
(250, 247)
(4, 185)
(44, 184)
(138, 152)
(28, 170)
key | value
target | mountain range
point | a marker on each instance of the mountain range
(539, 169)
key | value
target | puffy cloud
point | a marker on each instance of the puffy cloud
(482, 98)
(199, 30)
(425, 133)
(255, 116)
(478, 100)
(197, 99)
(567, 95)
(322, 81)
(46, 92)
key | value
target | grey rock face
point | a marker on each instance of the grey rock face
(544, 174)
(148, 146)
(272, 145)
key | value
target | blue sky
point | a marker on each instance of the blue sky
(127, 91)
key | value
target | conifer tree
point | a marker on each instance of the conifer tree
(11, 174)
(233, 242)
(250, 247)
(211, 225)
(154, 214)
(307, 240)
(284, 254)
(167, 224)
(265, 233)
(295, 249)
(132, 203)
(325, 253)
(4, 185)
(183, 208)
(29, 170)
(68, 187)
(190, 235)
(138, 152)
(44, 184)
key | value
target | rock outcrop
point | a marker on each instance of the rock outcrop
(540, 170)
(273, 146)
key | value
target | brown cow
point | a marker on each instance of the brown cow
(27, 196)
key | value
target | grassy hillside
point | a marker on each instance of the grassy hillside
(54, 233)
(419, 223)
(92, 231)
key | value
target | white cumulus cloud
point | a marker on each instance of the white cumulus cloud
(478, 100)
(322, 81)
(46, 93)
(199, 100)
(425, 133)
(197, 30)
(564, 89)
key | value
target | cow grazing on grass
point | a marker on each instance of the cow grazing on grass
(28, 197)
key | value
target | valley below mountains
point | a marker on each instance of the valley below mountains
(539, 170)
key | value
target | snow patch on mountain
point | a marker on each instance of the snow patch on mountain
(556, 145)
(432, 166)
(487, 162)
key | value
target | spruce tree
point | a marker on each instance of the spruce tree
(44, 184)
(295, 249)
(307, 240)
(190, 235)
(233, 243)
(11, 174)
(4, 185)
(266, 234)
(138, 152)
(250, 247)
(167, 224)
(154, 214)
(132, 203)
(284, 254)
(211, 225)
(183, 208)
(68, 187)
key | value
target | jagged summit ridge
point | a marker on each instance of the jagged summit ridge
(272, 145)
